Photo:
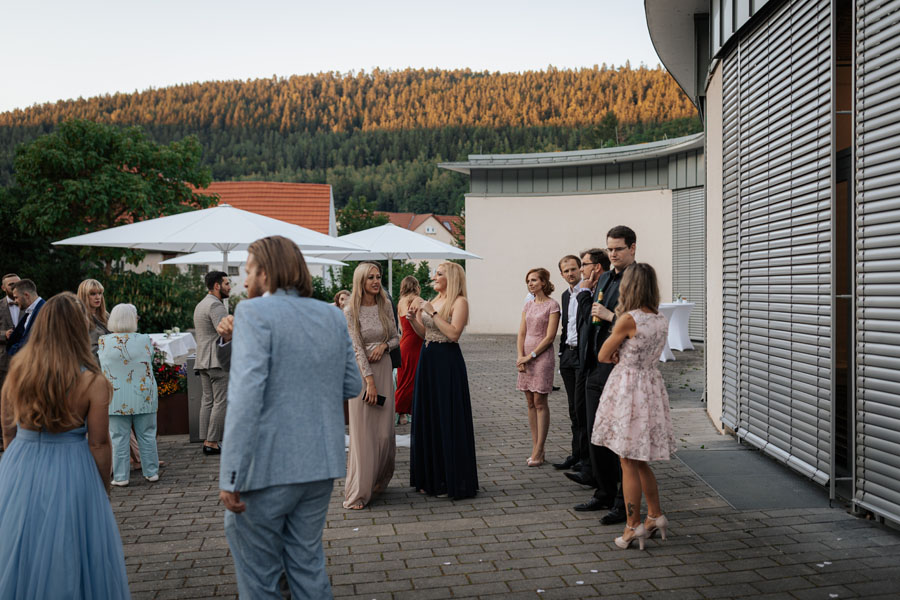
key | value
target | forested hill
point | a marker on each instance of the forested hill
(380, 134)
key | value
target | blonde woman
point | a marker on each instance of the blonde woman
(90, 292)
(410, 348)
(442, 453)
(370, 320)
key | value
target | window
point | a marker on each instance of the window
(233, 271)
(430, 230)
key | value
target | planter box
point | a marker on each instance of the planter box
(172, 416)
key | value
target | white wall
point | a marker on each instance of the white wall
(515, 234)
(714, 248)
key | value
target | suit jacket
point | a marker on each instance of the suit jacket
(207, 315)
(564, 320)
(20, 336)
(292, 368)
(590, 336)
(6, 322)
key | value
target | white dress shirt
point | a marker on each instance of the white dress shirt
(30, 311)
(572, 324)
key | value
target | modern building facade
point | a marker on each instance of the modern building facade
(530, 210)
(800, 101)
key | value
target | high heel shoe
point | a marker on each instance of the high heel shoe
(531, 462)
(660, 523)
(640, 534)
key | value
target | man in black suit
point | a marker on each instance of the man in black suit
(30, 303)
(9, 318)
(570, 267)
(621, 244)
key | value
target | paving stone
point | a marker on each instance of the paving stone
(520, 533)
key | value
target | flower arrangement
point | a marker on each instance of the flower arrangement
(169, 378)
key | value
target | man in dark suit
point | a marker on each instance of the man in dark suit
(621, 244)
(570, 269)
(594, 263)
(9, 318)
(30, 303)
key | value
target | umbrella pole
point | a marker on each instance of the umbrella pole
(225, 261)
(390, 275)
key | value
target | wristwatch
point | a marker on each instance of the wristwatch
(533, 355)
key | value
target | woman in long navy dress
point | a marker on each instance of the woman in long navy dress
(58, 536)
(442, 453)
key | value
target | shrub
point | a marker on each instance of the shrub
(162, 301)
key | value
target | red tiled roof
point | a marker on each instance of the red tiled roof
(304, 204)
(412, 221)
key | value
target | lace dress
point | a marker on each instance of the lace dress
(442, 449)
(633, 418)
(538, 375)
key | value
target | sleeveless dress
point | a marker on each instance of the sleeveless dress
(633, 415)
(442, 448)
(410, 348)
(370, 458)
(538, 375)
(58, 536)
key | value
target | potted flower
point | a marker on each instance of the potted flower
(171, 385)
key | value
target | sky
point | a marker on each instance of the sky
(53, 50)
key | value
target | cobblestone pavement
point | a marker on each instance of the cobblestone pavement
(520, 537)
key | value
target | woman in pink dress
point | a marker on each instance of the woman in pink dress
(633, 415)
(536, 362)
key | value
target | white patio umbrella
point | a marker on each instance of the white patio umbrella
(222, 228)
(239, 257)
(389, 242)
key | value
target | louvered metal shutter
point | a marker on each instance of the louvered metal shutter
(730, 211)
(784, 236)
(878, 256)
(689, 254)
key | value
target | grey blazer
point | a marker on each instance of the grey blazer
(207, 315)
(292, 368)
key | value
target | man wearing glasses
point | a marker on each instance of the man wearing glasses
(621, 243)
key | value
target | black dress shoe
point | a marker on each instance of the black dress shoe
(582, 479)
(555, 388)
(211, 450)
(613, 517)
(593, 504)
(566, 464)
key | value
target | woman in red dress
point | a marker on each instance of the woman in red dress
(410, 347)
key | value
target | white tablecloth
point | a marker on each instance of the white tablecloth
(177, 345)
(678, 314)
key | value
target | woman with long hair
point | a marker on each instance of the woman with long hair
(58, 536)
(633, 415)
(340, 298)
(370, 320)
(90, 292)
(442, 453)
(536, 364)
(126, 358)
(410, 348)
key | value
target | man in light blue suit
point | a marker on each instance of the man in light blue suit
(292, 369)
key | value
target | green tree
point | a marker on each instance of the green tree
(89, 176)
(606, 133)
(357, 215)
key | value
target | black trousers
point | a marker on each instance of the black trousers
(605, 465)
(568, 369)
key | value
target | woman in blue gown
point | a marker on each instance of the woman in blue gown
(442, 449)
(58, 536)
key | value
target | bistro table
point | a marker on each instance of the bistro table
(176, 346)
(678, 315)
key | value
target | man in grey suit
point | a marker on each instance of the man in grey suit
(213, 378)
(292, 370)
(9, 318)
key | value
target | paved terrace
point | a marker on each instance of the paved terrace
(520, 537)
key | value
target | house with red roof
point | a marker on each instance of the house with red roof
(309, 205)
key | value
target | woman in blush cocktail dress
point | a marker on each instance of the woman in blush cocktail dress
(536, 363)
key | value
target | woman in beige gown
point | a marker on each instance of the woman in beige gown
(370, 320)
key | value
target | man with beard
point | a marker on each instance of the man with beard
(213, 378)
